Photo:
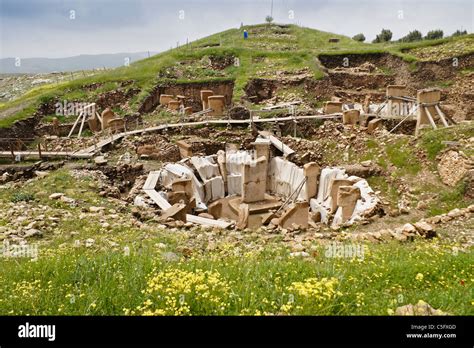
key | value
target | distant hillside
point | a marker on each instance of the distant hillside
(82, 62)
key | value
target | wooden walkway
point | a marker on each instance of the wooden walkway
(45, 154)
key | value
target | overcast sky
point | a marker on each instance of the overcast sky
(62, 28)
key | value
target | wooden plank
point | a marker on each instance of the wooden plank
(441, 116)
(151, 181)
(446, 116)
(74, 126)
(46, 154)
(207, 222)
(430, 118)
(156, 197)
(82, 123)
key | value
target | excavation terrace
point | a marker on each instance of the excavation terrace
(224, 167)
(299, 145)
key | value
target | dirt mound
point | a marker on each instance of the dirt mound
(239, 113)
(115, 98)
(155, 147)
(221, 62)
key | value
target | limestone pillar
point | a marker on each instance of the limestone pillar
(351, 117)
(183, 185)
(374, 124)
(334, 189)
(174, 105)
(347, 198)
(221, 161)
(184, 149)
(188, 110)
(254, 180)
(205, 94)
(297, 214)
(107, 115)
(426, 96)
(262, 148)
(55, 123)
(366, 106)
(94, 125)
(117, 124)
(332, 107)
(217, 104)
(395, 106)
(165, 98)
(311, 172)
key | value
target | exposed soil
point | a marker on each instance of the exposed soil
(192, 92)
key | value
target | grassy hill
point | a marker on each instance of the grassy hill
(268, 49)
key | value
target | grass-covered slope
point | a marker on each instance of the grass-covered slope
(268, 49)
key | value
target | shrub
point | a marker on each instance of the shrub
(434, 34)
(414, 35)
(22, 197)
(459, 33)
(384, 36)
(359, 37)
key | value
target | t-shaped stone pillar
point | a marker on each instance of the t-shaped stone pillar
(332, 107)
(351, 117)
(107, 116)
(221, 161)
(395, 106)
(334, 189)
(262, 148)
(254, 180)
(347, 198)
(311, 172)
(174, 105)
(430, 97)
(205, 94)
(164, 99)
(216, 103)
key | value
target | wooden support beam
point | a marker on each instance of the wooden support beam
(83, 114)
(441, 116)
(74, 126)
(430, 118)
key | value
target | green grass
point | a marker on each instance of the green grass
(65, 281)
(432, 140)
(22, 197)
(401, 155)
(449, 198)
